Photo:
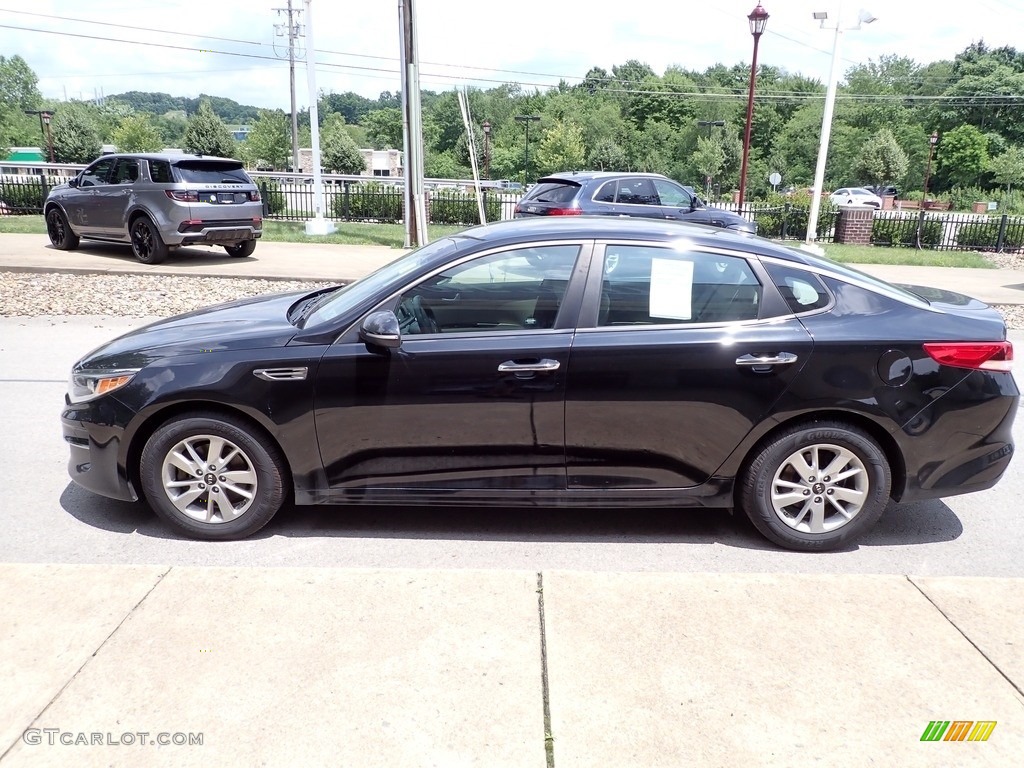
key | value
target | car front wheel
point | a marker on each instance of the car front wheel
(816, 487)
(147, 244)
(212, 477)
(59, 231)
(241, 250)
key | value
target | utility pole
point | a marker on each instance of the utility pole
(294, 32)
(412, 118)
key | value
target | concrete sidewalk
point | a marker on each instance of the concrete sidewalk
(343, 263)
(319, 666)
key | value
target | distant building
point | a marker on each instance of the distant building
(26, 155)
(378, 162)
(241, 132)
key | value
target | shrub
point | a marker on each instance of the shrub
(367, 202)
(449, 207)
(984, 236)
(274, 200)
(794, 215)
(903, 231)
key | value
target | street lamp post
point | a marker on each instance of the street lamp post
(758, 19)
(487, 148)
(826, 121)
(44, 127)
(932, 141)
(526, 120)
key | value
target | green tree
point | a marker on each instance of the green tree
(75, 139)
(962, 156)
(384, 128)
(18, 92)
(606, 155)
(269, 143)
(709, 159)
(338, 152)
(1008, 168)
(882, 161)
(207, 134)
(561, 148)
(135, 133)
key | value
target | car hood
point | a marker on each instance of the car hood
(255, 323)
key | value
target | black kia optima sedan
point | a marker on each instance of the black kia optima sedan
(586, 361)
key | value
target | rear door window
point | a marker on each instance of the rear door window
(211, 172)
(637, 192)
(802, 290)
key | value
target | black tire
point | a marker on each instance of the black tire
(147, 245)
(805, 512)
(242, 249)
(211, 506)
(57, 227)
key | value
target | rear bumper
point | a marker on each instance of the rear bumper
(217, 233)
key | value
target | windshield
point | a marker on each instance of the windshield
(355, 293)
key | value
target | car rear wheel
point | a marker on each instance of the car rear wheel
(59, 230)
(241, 250)
(211, 477)
(147, 244)
(816, 487)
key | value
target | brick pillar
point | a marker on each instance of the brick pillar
(854, 224)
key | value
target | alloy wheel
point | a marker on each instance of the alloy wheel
(819, 488)
(209, 479)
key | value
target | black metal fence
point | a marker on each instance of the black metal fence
(945, 231)
(377, 203)
(25, 195)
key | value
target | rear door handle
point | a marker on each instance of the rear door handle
(541, 366)
(782, 358)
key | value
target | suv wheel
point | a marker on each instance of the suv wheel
(147, 245)
(241, 250)
(59, 230)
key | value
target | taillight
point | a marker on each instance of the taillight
(564, 212)
(182, 195)
(977, 355)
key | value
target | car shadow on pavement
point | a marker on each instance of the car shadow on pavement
(181, 257)
(902, 524)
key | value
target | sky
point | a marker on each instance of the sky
(228, 47)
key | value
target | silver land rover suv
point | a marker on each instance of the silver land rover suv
(157, 202)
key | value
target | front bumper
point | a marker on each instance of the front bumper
(98, 451)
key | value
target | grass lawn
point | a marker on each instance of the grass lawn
(393, 235)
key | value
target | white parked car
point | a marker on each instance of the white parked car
(855, 196)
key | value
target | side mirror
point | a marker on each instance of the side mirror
(382, 330)
(74, 182)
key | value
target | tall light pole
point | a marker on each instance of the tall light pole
(44, 127)
(932, 141)
(527, 119)
(826, 121)
(758, 19)
(318, 225)
(487, 148)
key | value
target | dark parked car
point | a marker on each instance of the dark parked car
(604, 193)
(595, 362)
(157, 202)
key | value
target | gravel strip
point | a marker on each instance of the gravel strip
(28, 294)
(33, 293)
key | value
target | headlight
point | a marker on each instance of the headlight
(87, 385)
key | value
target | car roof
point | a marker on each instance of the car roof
(171, 157)
(537, 228)
(579, 177)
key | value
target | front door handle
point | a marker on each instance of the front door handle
(782, 358)
(541, 366)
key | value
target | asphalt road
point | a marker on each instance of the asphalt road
(46, 519)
